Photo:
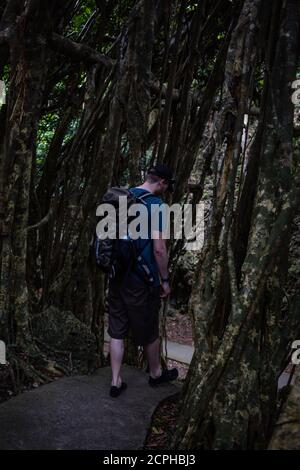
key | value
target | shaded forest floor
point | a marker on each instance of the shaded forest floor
(163, 425)
(179, 329)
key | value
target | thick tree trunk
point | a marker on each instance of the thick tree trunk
(230, 397)
(28, 71)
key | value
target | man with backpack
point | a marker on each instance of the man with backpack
(135, 300)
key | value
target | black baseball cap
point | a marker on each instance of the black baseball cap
(163, 171)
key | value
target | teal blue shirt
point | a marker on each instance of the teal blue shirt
(158, 224)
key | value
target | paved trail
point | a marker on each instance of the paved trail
(77, 413)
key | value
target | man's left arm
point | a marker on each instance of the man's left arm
(162, 259)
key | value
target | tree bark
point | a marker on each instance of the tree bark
(229, 399)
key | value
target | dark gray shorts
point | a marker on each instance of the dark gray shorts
(136, 306)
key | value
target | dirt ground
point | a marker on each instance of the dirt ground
(179, 328)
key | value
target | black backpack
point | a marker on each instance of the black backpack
(118, 257)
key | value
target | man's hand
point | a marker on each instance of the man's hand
(166, 290)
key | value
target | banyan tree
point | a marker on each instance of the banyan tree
(95, 91)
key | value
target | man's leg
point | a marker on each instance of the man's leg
(116, 351)
(152, 353)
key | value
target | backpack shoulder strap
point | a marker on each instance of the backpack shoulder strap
(142, 196)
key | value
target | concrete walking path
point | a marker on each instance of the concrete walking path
(78, 413)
